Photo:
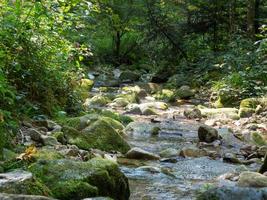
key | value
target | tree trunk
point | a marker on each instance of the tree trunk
(251, 18)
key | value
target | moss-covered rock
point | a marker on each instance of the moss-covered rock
(100, 134)
(130, 97)
(165, 95)
(84, 121)
(97, 100)
(116, 116)
(120, 102)
(226, 98)
(47, 154)
(184, 92)
(69, 179)
(249, 103)
(258, 139)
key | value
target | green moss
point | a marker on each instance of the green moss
(47, 154)
(130, 97)
(86, 84)
(103, 136)
(60, 137)
(249, 103)
(70, 179)
(258, 140)
(116, 116)
(100, 135)
(166, 95)
(74, 190)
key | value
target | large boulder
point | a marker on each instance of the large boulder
(137, 153)
(100, 134)
(226, 98)
(75, 180)
(207, 134)
(252, 179)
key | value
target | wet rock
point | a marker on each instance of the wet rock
(21, 182)
(231, 158)
(70, 179)
(168, 160)
(184, 92)
(207, 134)
(252, 179)
(5, 196)
(137, 153)
(193, 113)
(233, 193)
(98, 198)
(193, 152)
(150, 169)
(168, 153)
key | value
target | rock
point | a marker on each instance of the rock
(100, 134)
(21, 182)
(150, 169)
(231, 158)
(149, 111)
(155, 131)
(129, 76)
(5, 196)
(246, 112)
(233, 193)
(226, 98)
(154, 105)
(231, 113)
(133, 109)
(120, 102)
(258, 139)
(168, 153)
(98, 198)
(207, 134)
(150, 88)
(49, 140)
(97, 100)
(70, 179)
(166, 95)
(193, 113)
(252, 179)
(130, 97)
(137, 153)
(35, 135)
(184, 92)
(193, 152)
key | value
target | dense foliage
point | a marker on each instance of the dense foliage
(46, 45)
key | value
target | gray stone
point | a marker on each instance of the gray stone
(137, 153)
(35, 135)
(49, 140)
(207, 134)
(252, 179)
(5, 196)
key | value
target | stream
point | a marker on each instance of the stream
(178, 177)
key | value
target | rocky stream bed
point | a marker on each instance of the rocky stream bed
(133, 144)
